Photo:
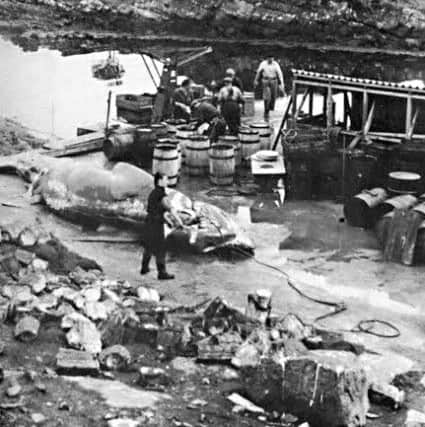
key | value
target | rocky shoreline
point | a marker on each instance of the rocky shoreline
(356, 24)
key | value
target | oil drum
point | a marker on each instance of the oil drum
(401, 182)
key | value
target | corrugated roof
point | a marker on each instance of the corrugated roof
(404, 86)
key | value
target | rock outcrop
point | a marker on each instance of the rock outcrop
(372, 23)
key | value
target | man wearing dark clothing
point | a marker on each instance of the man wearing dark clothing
(236, 81)
(182, 98)
(154, 238)
(231, 101)
(205, 112)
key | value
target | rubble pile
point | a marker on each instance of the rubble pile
(290, 372)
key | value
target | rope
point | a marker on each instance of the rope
(366, 327)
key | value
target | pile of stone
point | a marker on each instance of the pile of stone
(285, 365)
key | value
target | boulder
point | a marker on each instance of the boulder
(328, 388)
(82, 333)
(115, 357)
(263, 383)
(27, 329)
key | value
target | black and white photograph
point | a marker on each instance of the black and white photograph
(212, 213)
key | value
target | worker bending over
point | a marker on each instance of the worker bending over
(205, 113)
(182, 98)
(271, 76)
(154, 237)
(231, 102)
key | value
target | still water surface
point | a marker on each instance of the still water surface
(54, 94)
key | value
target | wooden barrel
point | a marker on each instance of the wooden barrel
(232, 140)
(143, 146)
(358, 170)
(159, 130)
(197, 159)
(119, 147)
(250, 143)
(401, 182)
(360, 210)
(265, 133)
(221, 164)
(166, 161)
(173, 123)
(175, 142)
(183, 134)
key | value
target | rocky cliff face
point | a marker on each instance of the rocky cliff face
(370, 23)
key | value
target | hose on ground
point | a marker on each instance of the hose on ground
(365, 326)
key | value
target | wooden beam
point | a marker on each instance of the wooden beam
(347, 110)
(409, 107)
(294, 100)
(282, 124)
(374, 136)
(412, 125)
(329, 108)
(365, 108)
(371, 91)
(310, 103)
(306, 92)
(86, 143)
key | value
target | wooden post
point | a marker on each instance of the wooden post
(310, 103)
(108, 112)
(329, 108)
(282, 124)
(347, 110)
(294, 102)
(409, 107)
(300, 106)
(365, 109)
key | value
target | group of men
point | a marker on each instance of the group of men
(218, 114)
(222, 111)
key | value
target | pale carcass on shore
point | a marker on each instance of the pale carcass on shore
(89, 192)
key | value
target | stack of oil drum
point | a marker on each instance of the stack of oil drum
(400, 189)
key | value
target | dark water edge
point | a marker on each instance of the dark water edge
(244, 56)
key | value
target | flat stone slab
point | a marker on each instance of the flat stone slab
(120, 395)
(75, 362)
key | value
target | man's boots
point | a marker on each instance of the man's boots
(144, 269)
(162, 273)
(165, 276)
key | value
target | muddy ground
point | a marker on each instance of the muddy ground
(323, 254)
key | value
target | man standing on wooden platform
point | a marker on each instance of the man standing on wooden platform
(271, 76)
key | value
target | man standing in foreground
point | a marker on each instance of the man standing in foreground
(271, 76)
(154, 238)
